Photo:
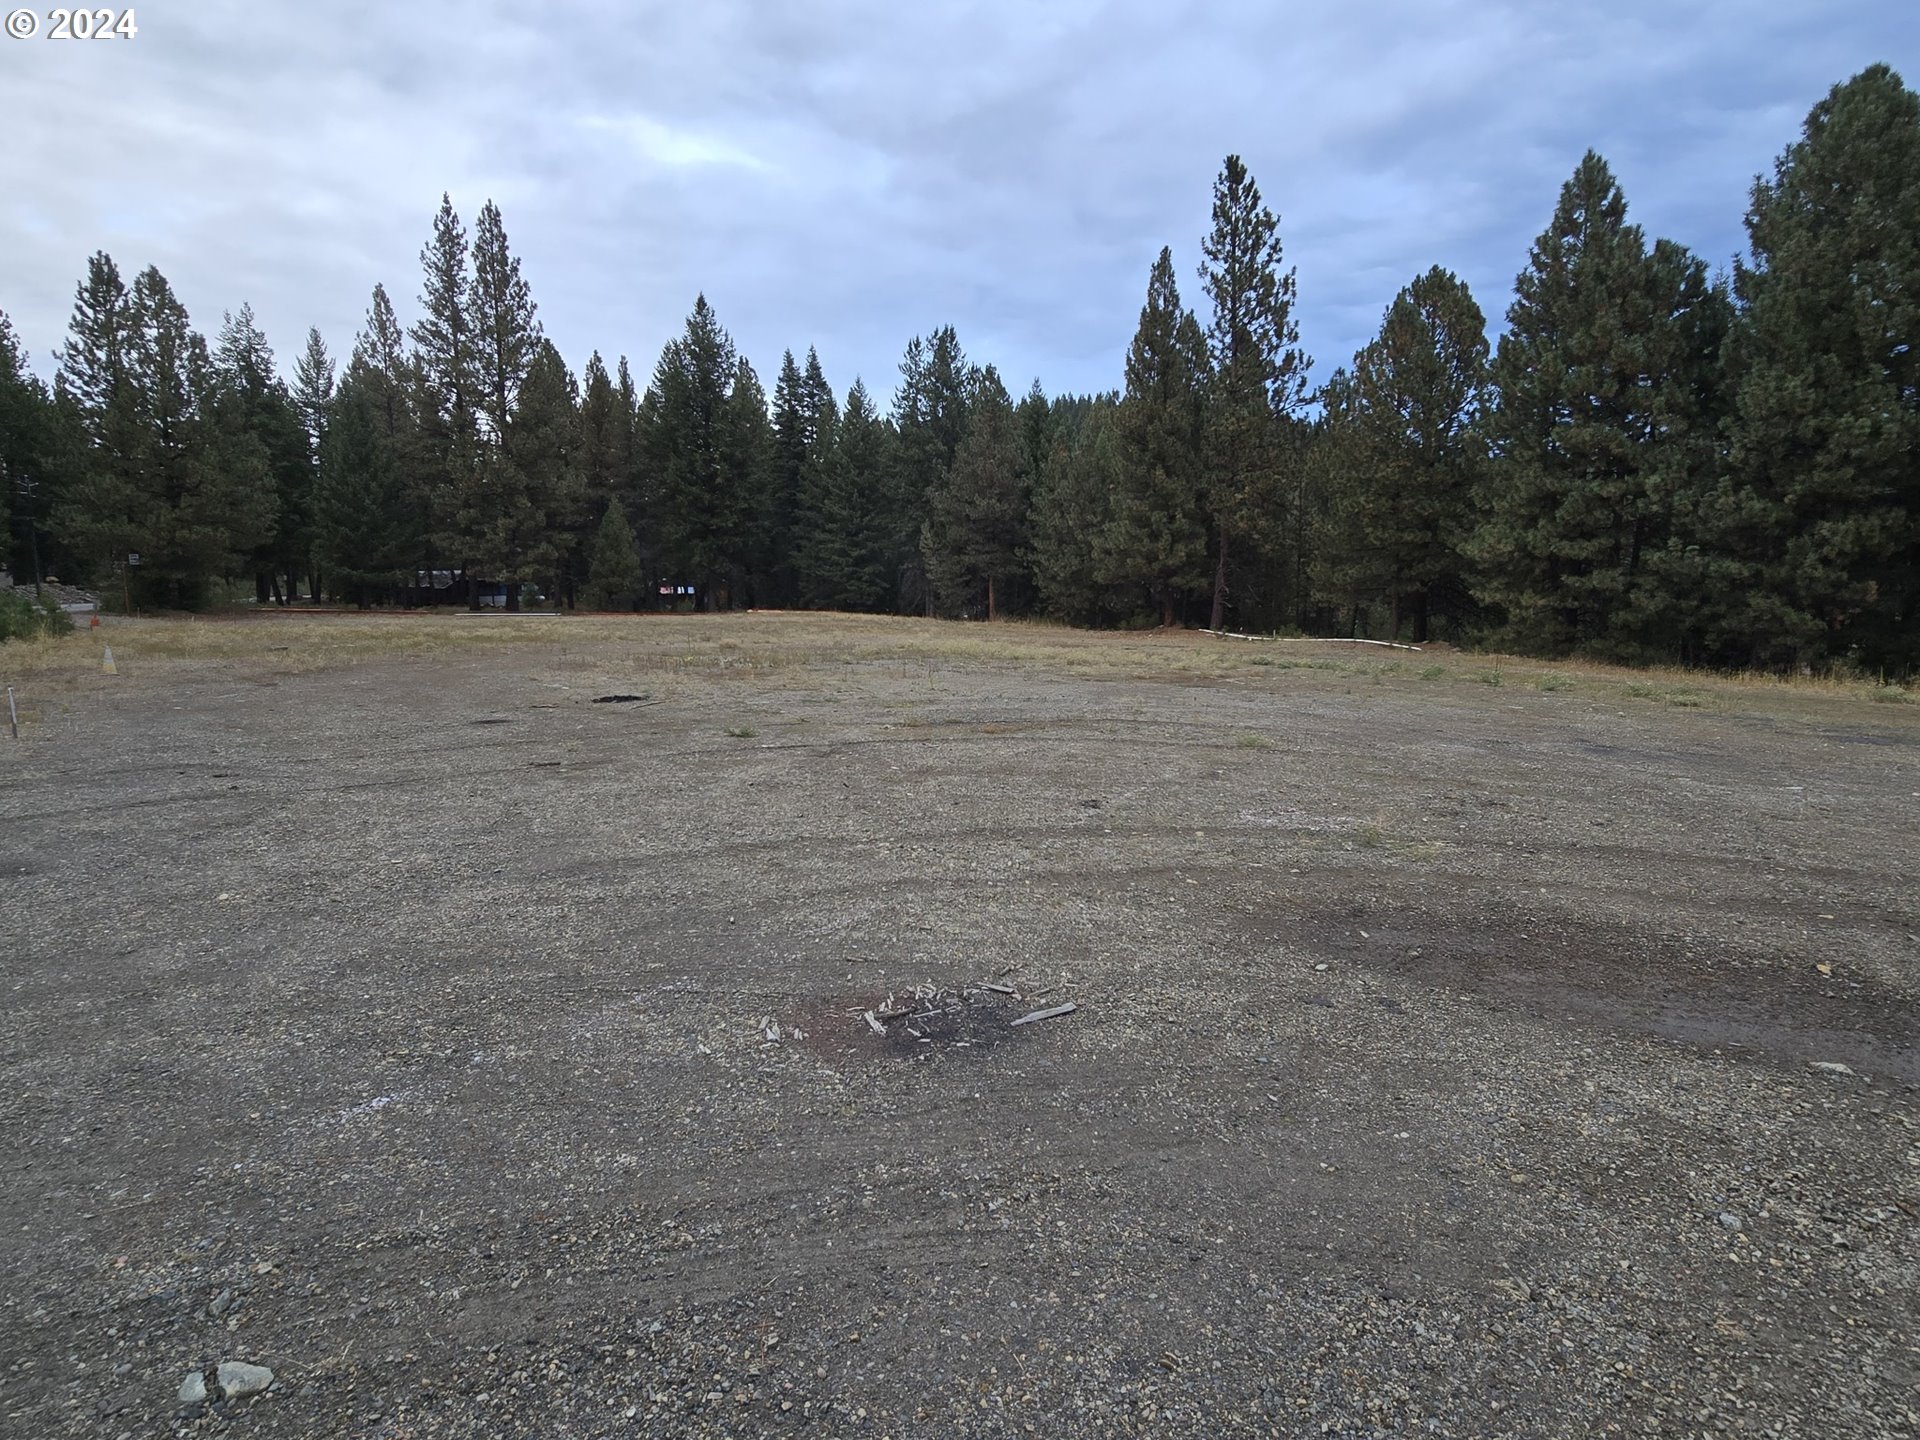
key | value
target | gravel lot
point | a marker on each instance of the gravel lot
(1445, 1060)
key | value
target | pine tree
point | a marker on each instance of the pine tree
(445, 368)
(1259, 374)
(506, 332)
(392, 385)
(1156, 538)
(1075, 497)
(502, 514)
(97, 516)
(976, 530)
(251, 402)
(844, 550)
(605, 426)
(637, 490)
(206, 494)
(1608, 403)
(930, 415)
(779, 536)
(313, 382)
(615, 578)
(746, 465)
(28, 482)
(702, 505)
(364, 535)
(1034, 414)
(1402, 456)
(528, 482)
(1820, 525)
(817, 537)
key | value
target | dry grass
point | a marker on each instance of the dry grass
(751, 645)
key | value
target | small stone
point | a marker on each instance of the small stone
(193, 1389)
(1321, 967)
(221, 1302)
(1731, 1221)
(239, 1379)
(1832, 1067)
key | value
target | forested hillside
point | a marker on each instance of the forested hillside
(1653, 462)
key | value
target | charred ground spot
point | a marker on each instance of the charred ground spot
(918, 1022)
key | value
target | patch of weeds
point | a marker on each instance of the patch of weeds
(1491, 677)
(1551, 683)
(1890, 695)
(1643, 692)
(1433, 672)
(1370, 836)
(1685, 701)
(1253, 742)
(742, 732)
(1261, 660)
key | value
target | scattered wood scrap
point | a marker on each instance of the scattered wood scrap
(1057, 1010)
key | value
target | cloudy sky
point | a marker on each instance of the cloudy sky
(846, 174)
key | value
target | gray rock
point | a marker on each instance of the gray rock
(221, 1302)
(239, 1379)
(1832, 1067)
(1731, 1221)
(193, 1389)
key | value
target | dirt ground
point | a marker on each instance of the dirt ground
(487, 1061)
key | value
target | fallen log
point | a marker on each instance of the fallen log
(1310, 640)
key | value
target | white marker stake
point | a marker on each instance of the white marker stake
(13, 715)
(107, 664)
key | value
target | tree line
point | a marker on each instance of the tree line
(1654, 462)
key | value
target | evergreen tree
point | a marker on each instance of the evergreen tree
(1608, 404)
(793, 428)
(1075, 497)
(1259, 374)
(527, 481)
(28, 485)
(818, 540)
(1036, 419)
(1156, 537)
(930, 415)
(364, 533)
(313, 382)
(1819, 529)
(1401, 457)
(205, 492)
(746, 461)
(503, 515)
(506, 333)
(703, 504)
(976, 531)
(605, 426)
(615, 578)
(392, 386)
(96, 515)
(637, 490)
(445, 368)
(250, 402)
(844, 551)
